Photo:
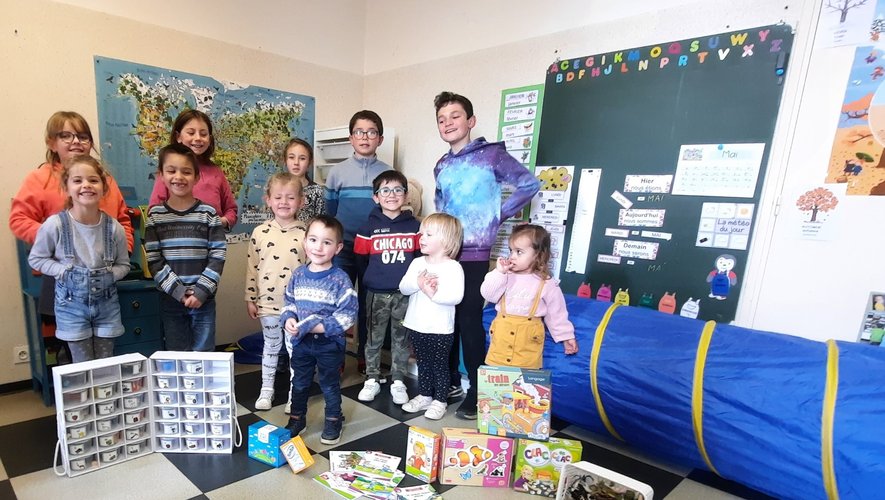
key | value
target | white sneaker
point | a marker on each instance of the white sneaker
(416, 404)
(398, 392)
(288, 409)
(265, 400)
(370, 389)
(436, 410)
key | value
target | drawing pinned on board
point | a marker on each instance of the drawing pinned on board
(667, 303)
(622, 297)
(647, 300)
(691, 308)
(604, 294)
(722, 279)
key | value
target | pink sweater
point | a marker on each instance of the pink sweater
(212, 189)
(521, 290)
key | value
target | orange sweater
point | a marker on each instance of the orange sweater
(40, 196)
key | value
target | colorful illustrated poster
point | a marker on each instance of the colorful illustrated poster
(857, 158)
(137, 105)
(814, 212)
(846, 22)
(718, 170)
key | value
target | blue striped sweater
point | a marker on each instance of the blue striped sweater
(324, 297)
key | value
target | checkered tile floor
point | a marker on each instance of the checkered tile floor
(28, 436)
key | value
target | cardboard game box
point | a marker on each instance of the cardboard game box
(264, 443)
(539, 464)
(586, 480)
(475, 459)
(514, 402)
(422, 454)
(297, 454)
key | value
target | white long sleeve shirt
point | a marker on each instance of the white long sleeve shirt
(437, 314)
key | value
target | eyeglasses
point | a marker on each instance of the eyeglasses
(386, 191)
(68, 137)
(371, 134)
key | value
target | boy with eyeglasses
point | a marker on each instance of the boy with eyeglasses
(349, 198)
(384, 248)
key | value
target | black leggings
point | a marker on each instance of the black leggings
(469, 330)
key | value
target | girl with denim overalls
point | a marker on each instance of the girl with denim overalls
(524, 293)
(85, 250)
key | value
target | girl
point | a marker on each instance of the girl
(274, 252)
(435, 285)
(84, 249)
(298, 158)
(523, 292)
(194, 129)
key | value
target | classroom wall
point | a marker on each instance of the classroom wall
(46, 52)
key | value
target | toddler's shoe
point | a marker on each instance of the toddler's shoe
(436, 410)
(466, 413)
(296, 425)
(455, 391)
(370, 389)
(332, 431)
(398, 392)
(265, 400)
(288, 408)
(416, 404)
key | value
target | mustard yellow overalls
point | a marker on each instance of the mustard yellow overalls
(517, 340)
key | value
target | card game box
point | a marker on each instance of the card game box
(475, 459)
(264, 443)
(540, 463)
(514, 402)
(422, 454)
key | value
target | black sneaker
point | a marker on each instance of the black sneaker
(296, 425)
(466, 413)
(332, 431)
(455, 391)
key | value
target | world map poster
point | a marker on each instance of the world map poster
(137, 105)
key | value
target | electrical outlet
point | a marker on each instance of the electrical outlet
(21, 354)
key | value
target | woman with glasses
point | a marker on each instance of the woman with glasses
(67, 135)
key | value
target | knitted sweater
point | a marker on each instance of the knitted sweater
(274, 252)
(40, 196)
(384, 248)
(211, 187)
(185, 249)
(349, 193)
(325, 297)
(468, 186)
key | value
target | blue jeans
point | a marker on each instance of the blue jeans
(86, 304)
(327, 356)
(188, 329)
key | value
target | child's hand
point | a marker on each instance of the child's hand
(252, 309)
(291, 327)
(427, 283)
(503, 265)
(192, 302)
(225, 223)
(570, 346)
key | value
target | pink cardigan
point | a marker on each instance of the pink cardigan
(521, 290)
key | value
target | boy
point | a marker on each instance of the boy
(185, 248)
(384, 248)
(320, 305)
(468, 186)
(349, 199)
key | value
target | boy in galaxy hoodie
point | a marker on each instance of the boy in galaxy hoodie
(384, 247)
(468, 186)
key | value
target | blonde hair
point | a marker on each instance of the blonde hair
(82, 160)
(448, 228)
(56, 124)
(283, 178)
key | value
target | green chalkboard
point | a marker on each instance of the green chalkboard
(699, 110)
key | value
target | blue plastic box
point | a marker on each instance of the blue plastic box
(264, 443)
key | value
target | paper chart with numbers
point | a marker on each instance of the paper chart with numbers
(718, 170)
(585, 212)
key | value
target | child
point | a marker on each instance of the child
(435, 285)
(384, 248)
(523, 291)
(468, 186)
(320, 305)
(194, 129)
(298, 158)
(185, 247)
(274, 252)
(84, 249)
(349, 198)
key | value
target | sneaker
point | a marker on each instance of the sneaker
(288, 409)
(369, 391)
(296, 425)
(416, 404)
(466, 413)
(436, 410)
(332, 431)
(265, 400)
(399, 393)
(455, 391)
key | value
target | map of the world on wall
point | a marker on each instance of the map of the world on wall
(137, 105)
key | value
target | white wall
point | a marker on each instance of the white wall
(46, 52)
